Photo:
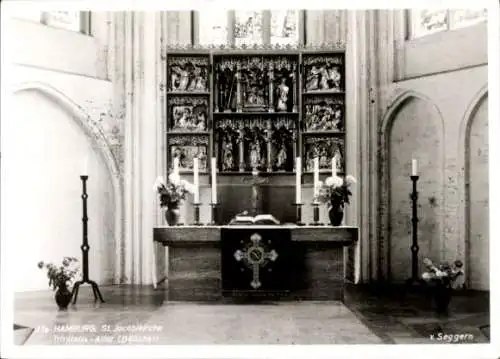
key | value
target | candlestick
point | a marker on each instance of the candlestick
(85, 250)
(316, 178)
(298, 180)
(214, 180)
(414, 167)
(414, 220)
(86, 166)
(316, 221)
(196, 180)
(334, 167)
(214, 214)
(298, 214)
(196, 214)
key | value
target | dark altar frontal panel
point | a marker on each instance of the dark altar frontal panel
(312, 266)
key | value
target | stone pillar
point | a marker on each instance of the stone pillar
(137, 69)
(335, 26)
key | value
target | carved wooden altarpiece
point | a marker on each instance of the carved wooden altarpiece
(256, 109)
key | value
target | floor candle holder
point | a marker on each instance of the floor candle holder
(415, 279)
(85, 250)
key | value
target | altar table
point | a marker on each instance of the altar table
(200, 268)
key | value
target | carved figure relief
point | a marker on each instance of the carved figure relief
(325, 148)
(188, 113)
(323, 73)
(324, 114)
(255, 84)
(186, 148)
(255, 109)
(188, 73)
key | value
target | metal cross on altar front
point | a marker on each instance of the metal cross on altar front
(256, 256)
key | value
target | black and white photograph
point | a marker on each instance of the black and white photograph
(212, 181)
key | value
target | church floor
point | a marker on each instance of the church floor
(367, 317)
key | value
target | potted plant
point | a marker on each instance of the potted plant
(335, 192)
(59, 278)
(440, 278)
(171, 195)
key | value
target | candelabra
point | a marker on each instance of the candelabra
(85, 250)
(414, 220)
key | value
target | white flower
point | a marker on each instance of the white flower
(334, 181)
(188, 186)
(349, 180)
(440, 274)
(426, 276)
(174, 178)
(159, 182)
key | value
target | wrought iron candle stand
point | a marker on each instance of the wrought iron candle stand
(298, 211)
(85, 250)
(316, 221)
(214, 206)
(415, 279)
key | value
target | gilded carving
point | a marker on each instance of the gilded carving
(188, 114)
(325, 148)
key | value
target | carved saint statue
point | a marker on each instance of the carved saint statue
(338, 158)
(198, 83)
(174, 77)
(255, 155)
(323, 84)
(227, 155)
(202, 158)
(281, 158)
(335, 77)
(200, 126)
(183, 79)
(283, 95)
(323, 158)
(313, 79)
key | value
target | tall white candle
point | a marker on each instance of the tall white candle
(316, 177)
(176, 164)
(334, 167)
(196, 180)
(86, 166)
(414, 167)
(298, 180)
(214, 180)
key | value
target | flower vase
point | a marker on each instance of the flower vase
(63, 297)
(172, 215)
(336, 214)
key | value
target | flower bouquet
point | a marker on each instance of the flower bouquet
(336, 192)
(443, 274)
(172, 194)
(59, 278)
(441, 278)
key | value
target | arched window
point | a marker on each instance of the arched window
(425, 22)
(215, 27)
(78, 21)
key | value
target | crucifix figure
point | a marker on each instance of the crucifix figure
(256, 181)
(255, 256)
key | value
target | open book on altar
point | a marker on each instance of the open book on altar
(258, 219)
